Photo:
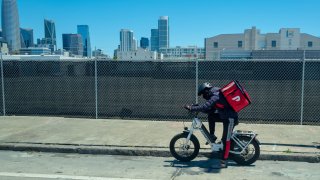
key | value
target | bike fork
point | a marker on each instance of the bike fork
(195, 124)
(190, 132)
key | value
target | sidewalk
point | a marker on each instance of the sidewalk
(143, 138)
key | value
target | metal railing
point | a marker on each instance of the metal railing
(283, 91)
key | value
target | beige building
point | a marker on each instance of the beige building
(252, 39)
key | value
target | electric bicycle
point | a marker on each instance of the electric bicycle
(244, 149)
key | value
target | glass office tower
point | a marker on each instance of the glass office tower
(50, 34)
(154, 40)
(11, 24)
(83, 30)
(26, 38)
(163, 27)
(73, 44)
(144, 43)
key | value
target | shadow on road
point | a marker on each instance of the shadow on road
(206, 166)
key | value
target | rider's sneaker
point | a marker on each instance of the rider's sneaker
(209, 155)
(224, 163)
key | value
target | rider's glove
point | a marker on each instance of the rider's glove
(188, 107)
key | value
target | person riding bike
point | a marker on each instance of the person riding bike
(218, 110)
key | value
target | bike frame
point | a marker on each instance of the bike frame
(198, 125)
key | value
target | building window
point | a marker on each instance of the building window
(290, 34)
(273, 43)
(310, 44)
(215, 45)
(239, 44)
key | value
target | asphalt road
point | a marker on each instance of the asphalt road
(36, 166)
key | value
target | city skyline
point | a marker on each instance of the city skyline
(190, 22)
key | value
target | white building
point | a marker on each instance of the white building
(4, 48)
(38, 58)
(138, 55)
(190, 52)
(35, 51)
(252, 39)
(127, 42)
(99, 54)
(134, 44)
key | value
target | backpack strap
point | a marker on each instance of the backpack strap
(219, 106)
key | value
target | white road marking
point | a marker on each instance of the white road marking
(55, 176)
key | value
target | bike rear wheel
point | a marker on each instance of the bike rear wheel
(182, 151)
(250, 154)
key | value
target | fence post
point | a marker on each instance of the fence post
(197, 80)
(2, 84)
(96, 84)
(302, 85)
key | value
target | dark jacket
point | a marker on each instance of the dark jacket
(210, 105)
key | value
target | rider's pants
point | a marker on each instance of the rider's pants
(212, 119)
(228, 125)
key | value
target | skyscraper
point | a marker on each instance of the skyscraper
(50, 34)
(73, 44)
(134, 44)
(26, 38)
(84, 31)
(163, 27)
(154, 40)
(11, 24)
(126, 40)
(144, 43)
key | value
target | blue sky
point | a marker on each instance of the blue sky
(190, 20)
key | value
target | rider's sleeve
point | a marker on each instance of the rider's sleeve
(206, 106)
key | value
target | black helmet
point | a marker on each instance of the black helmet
(203, 87)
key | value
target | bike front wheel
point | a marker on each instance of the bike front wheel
(183, 151)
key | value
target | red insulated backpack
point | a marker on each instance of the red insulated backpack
(236, 96)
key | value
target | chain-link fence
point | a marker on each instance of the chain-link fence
(275, 87)
(49, 88)
(311, 104)
(283, 91)
(149, 90)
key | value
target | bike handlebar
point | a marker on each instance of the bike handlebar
(195, 114)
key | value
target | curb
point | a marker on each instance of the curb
(140, 151)
(81, 149)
